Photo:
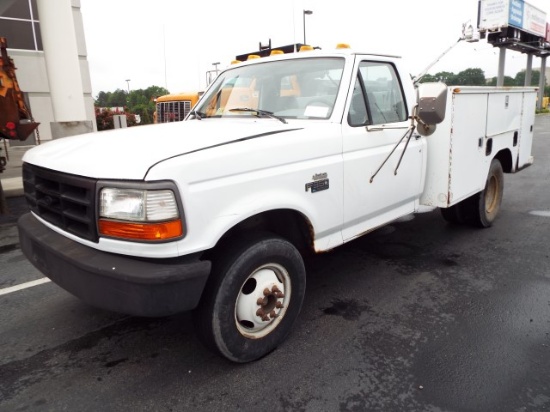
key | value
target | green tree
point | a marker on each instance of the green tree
(152, 92)
(101, 99)
(508, 81)
(470, 77)
(136, 97)
(145, 113)
(446, 77)
(520, 78)
(142, 102)
(118, 98)
(428, 78)
(139, 101)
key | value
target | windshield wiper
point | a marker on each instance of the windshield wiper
(198, 115)
(258, 112)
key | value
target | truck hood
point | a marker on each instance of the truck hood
(129, 153)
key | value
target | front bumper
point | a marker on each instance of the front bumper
(126, 284)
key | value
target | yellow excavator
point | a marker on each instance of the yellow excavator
(15, 117)
(16, 122)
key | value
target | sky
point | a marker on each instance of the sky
(173, 43)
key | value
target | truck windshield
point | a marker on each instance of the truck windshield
(289, 89)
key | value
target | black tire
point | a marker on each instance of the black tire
(488, 201)
(228, 319)
(455, 214)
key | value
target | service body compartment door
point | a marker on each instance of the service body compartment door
(526, 135)
(504, 113)
(467, 166)
(480, 122)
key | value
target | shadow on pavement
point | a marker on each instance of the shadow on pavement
(16, 206)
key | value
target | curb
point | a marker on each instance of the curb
(12, 186)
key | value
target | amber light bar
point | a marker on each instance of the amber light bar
(141, 231)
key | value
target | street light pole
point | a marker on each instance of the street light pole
(308, 12)
(212, 73)
(216, 70)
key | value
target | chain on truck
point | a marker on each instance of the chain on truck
(283, 156)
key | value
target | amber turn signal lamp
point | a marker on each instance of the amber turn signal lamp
(141, 231)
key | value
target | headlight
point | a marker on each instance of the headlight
(138, 205)
(139, 214)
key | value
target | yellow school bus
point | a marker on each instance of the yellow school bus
(174, 107)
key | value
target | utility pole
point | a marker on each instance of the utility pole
(306, 12)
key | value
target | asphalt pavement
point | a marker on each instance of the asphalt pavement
(10, 178)
(419, 315)
(12, 184)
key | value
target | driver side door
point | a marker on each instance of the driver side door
(377, 120)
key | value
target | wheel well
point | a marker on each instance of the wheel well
(289, 224)
(505, 159)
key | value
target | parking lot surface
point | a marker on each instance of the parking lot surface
(419, 315)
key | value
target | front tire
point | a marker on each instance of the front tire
(252, 298)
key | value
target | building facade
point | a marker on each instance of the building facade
(39, 78)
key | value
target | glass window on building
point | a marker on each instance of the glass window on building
(19, 24)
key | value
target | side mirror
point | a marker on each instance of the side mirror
(432, 103)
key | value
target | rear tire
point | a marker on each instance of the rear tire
(252, 298)
(488, 201)
(455, 214)
(482, 208)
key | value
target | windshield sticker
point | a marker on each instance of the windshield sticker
(316, 111)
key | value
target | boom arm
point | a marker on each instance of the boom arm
(15, 117)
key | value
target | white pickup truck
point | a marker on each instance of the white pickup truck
(282, 156)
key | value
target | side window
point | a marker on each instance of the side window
(357, 115)
(384, 95)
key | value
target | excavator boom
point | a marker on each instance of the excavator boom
(15, 117)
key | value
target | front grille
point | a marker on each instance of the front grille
(173, 111)
(64, 200)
